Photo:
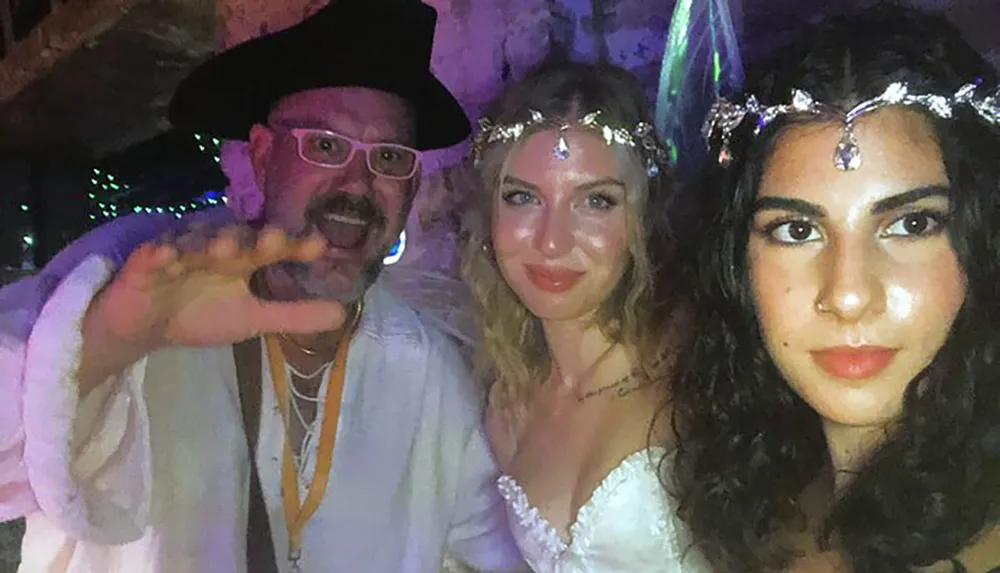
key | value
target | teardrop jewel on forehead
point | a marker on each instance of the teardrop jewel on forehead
(561, 150)
(847, 156)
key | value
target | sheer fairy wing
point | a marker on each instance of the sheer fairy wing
(440, 298)
(701, 61)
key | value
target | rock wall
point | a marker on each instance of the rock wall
(64, 30)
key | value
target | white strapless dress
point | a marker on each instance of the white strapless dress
(629, 525)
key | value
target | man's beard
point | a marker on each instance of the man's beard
(328, 284)
(331, 279)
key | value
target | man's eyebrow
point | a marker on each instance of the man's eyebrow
(303, 121)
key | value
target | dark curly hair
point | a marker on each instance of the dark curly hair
(748, 445)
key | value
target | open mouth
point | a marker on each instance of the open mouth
(347, 223)
(344, 231)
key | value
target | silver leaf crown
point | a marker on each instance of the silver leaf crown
(641, 137)
(725, 116)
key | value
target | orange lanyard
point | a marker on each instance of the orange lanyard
(297, 513)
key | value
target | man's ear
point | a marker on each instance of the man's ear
(261, 144)
(415, 183)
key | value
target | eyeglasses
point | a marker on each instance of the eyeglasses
(328, 149)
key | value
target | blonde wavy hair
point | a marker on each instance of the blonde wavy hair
(512, 355)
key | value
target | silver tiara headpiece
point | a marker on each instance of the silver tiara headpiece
(642, 137)
(725, 116)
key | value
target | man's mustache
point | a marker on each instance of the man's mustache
(359, 207)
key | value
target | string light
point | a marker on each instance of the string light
(108, 200)
(210, 145)
(108, 194)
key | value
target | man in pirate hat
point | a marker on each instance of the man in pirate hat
(244, 385)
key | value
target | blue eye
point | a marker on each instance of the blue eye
(601, 202)
(517, 197)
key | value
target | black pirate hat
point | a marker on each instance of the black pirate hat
(378, 44)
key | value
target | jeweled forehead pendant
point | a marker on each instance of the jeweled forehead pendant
(561, 150)
(847, 156)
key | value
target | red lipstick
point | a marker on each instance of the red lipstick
(552, 279)
(854, 362)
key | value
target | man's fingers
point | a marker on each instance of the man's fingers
(175, 269)
(224, 247)
(274, 246)
(239, 250)
(310, 248)
(302, 317)
(225, 252)
(192, 243)
(272, 243)
(164, 255)
(149, 258)
(242, 235)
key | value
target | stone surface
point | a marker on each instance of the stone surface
(66, 28)
(113, 91)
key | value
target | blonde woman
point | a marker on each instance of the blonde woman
(574, 347)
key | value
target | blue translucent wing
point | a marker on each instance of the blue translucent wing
(701, 61)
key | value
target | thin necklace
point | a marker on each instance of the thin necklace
(312, 351)
(622, 387)
(304, 349)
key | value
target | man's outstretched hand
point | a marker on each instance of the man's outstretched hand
(193, 290)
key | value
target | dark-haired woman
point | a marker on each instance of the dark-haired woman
(840, 408)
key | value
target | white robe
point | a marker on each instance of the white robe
(149, 473)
